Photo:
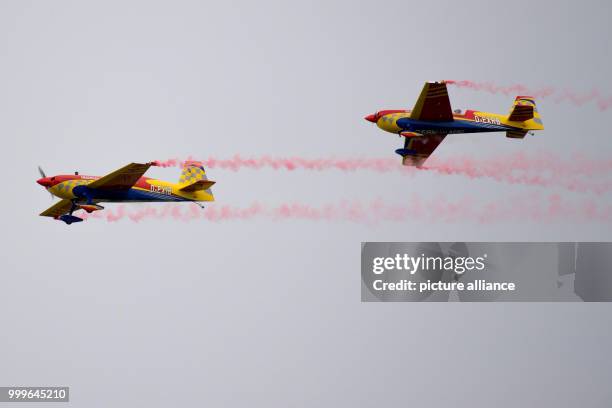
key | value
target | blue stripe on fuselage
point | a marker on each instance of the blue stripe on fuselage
(455, 126)
(131, 194)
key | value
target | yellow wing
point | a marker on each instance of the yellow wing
(58, 209)
(433, 103)
(122, 179)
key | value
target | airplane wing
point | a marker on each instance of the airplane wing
(121, 179)
(417, 149)
(58, 209)
(433, 103)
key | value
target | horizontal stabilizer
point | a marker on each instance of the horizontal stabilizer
(198, 185)
(516, 134)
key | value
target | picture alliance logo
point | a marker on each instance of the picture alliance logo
(412, 264)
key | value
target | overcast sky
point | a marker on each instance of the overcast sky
(265, 312)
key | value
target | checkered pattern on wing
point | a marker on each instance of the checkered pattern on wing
(191, 174)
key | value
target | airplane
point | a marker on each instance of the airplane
(432, 119)
(80, 192)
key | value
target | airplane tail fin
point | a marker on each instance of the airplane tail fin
(193, 177)
(524, 110)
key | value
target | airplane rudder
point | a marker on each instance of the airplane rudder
(524, 100)
(192, 172)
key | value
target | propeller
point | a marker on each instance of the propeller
(43, 175)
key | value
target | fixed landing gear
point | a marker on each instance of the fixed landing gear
(72, 207)
(69, 218)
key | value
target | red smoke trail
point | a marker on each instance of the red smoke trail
(522, 208)
(290, 163)
(579, 174)
(576, 98)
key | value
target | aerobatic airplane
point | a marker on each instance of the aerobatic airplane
(78, 192)
(432, 119)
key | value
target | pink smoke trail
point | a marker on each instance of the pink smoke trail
(543, 170)
(289, 163)
(558, 95)
(531, 208)
(580, 174)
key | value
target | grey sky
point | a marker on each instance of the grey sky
(261, 312)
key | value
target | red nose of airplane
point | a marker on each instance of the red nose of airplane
(371, 118)
(45, 182)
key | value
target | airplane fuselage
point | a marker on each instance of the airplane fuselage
(470, 121)
(75, 187)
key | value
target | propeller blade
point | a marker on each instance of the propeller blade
(41, 171)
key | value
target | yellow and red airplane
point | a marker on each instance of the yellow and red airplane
(432, 119)
(79, 192)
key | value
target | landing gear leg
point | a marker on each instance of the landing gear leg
(199, 205)
(73, 207)
(69, 218)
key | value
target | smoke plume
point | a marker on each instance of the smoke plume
(558, 95)
(527, 207)
(580, 174)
